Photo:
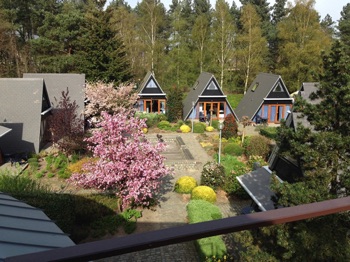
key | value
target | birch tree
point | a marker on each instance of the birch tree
(252, 46)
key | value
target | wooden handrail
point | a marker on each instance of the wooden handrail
(137, 242)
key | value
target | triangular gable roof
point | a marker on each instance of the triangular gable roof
(257, 185)
(21, 103)
(4, 130)
(150, 78)
(203, 82)
(259, 89)
(56, 83)
(25, 229)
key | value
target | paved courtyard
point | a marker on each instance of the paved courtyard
(186, 156)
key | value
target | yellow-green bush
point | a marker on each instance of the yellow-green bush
(204, 193)
(185, 184)
(185, 129)
(209, 128)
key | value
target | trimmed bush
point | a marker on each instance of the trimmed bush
(200, 211)
(145, 130)
(257, 146)
(209, 129)
(205, 193)
(230, 127)
(185, 184)
(185, 129)
(164, 125)
(213, 175)
(269, 132)
(233, 149)
(199, 128)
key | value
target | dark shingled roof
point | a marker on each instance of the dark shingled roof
(56, 83)
(25, 229)
(253, 99)
(257, 185)
(307, 89)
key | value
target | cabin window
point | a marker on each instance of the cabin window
(278, 88)
(212, 86)
(151, 84)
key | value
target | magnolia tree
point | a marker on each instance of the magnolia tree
(105, 97)
(127, 162)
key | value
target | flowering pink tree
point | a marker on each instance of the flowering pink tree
(127, 162)
(105, 97)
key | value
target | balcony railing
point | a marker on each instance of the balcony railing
(153, 239)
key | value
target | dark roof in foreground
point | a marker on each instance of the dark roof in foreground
(257, 185)
(25, 229)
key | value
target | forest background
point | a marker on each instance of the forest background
(118, 43)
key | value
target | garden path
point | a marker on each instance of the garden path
(171, 211)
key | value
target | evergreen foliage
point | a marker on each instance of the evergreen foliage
(174, 104)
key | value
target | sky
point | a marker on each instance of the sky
(323, 7)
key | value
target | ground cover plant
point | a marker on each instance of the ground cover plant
(211, 248)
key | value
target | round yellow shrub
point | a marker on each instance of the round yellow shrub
(185, 184)
(205, 193)
(209, 128)
(144, 130)
(185, 129)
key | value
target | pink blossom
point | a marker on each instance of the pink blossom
(127, 162)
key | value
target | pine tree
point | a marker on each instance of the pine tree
(100, 53)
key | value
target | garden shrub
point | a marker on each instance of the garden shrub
(201, 211)
(164, 125)
(185, 129)
(213, 175)
(152, 119)
(199, 128)
(257, 146)
(233, 149)
(269, 132)
(185, 184)
(233, 168)
(209, 129)
(205, 193)
(215, 124)
(230, 127)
